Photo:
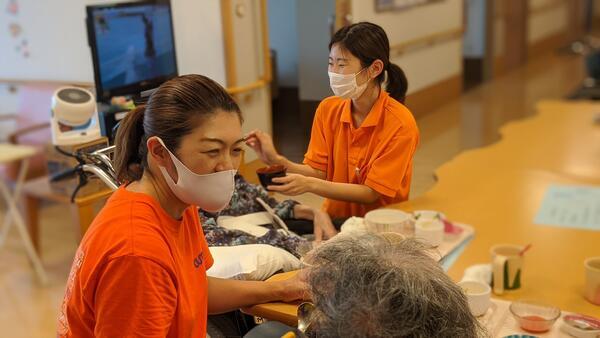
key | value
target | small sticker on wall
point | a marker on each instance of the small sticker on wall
(12, 7)
(25, 48)
(15, 29)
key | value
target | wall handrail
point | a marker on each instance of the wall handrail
(425, 41)
(16, 82)
(548, 7)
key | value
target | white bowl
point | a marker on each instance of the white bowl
(478, 296)
(430, 230)
(390, 220)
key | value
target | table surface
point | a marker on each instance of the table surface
(13, 152)
(499, 188)
(40, 188)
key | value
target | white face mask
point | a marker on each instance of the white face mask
(210, 192)
(345, 86)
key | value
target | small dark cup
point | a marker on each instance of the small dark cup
(266, 175)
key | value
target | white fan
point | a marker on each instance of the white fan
(74, 117)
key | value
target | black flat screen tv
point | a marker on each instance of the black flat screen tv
(132, 45)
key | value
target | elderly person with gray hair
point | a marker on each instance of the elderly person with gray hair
(373, 285)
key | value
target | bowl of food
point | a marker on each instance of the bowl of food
(267, 174)
(390, 220)
(533, 316)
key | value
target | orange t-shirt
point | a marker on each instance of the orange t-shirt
(138, 273)
(378, 154)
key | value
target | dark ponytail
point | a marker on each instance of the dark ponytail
(128, 159)
(368, 42)
(173, 111)
(397, 84)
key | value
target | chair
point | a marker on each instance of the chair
(32, 127)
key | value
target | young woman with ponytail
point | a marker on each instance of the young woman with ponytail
(140, 269)
(363, 139)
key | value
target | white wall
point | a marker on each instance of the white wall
(427, 66)
(283, 35)
(546, 23)
(59, 49)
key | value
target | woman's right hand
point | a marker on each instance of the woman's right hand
(262, 144)
(323, 226)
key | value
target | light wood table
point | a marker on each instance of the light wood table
(279, 311)
(498, 189)
(10, 153)
(37, 190)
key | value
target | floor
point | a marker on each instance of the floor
(29, 310)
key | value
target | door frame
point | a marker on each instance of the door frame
(232, 85)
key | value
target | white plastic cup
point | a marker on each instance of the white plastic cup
(390, 220)
(429, 214)
(592, 280)
(430, 230)
(478, 295)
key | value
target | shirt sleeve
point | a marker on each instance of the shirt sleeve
(317, 155)
(285, 209)
(389, 170)
(135, 297)
(208, 258)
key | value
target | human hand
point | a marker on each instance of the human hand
(294, 288)
(262, 144)
(323, 227)
(292, 184)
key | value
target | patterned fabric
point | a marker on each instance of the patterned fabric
(244, 202)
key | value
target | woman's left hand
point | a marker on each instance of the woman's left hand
(294, 288)
(292, 184)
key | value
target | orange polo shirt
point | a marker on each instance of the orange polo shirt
(378, 154)
(138, 273)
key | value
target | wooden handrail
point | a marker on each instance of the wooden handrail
(230, 58)
(264, 30)
(262, 82)
(51, 82)
(548, 7)
(249, 87)
(428, 40)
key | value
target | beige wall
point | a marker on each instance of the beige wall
(429, 65)
(198, 38)
(546, 19)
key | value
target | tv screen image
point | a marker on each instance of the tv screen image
(132, 45)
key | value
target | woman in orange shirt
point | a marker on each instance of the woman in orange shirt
(140, 270)
(363, 139)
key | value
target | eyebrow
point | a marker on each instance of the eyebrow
(216, 140)
(338, 59)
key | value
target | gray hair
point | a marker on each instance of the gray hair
(370, 286)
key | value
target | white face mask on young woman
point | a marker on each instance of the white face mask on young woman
(210, 192)
(345, 85)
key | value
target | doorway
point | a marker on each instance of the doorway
(299, 33)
